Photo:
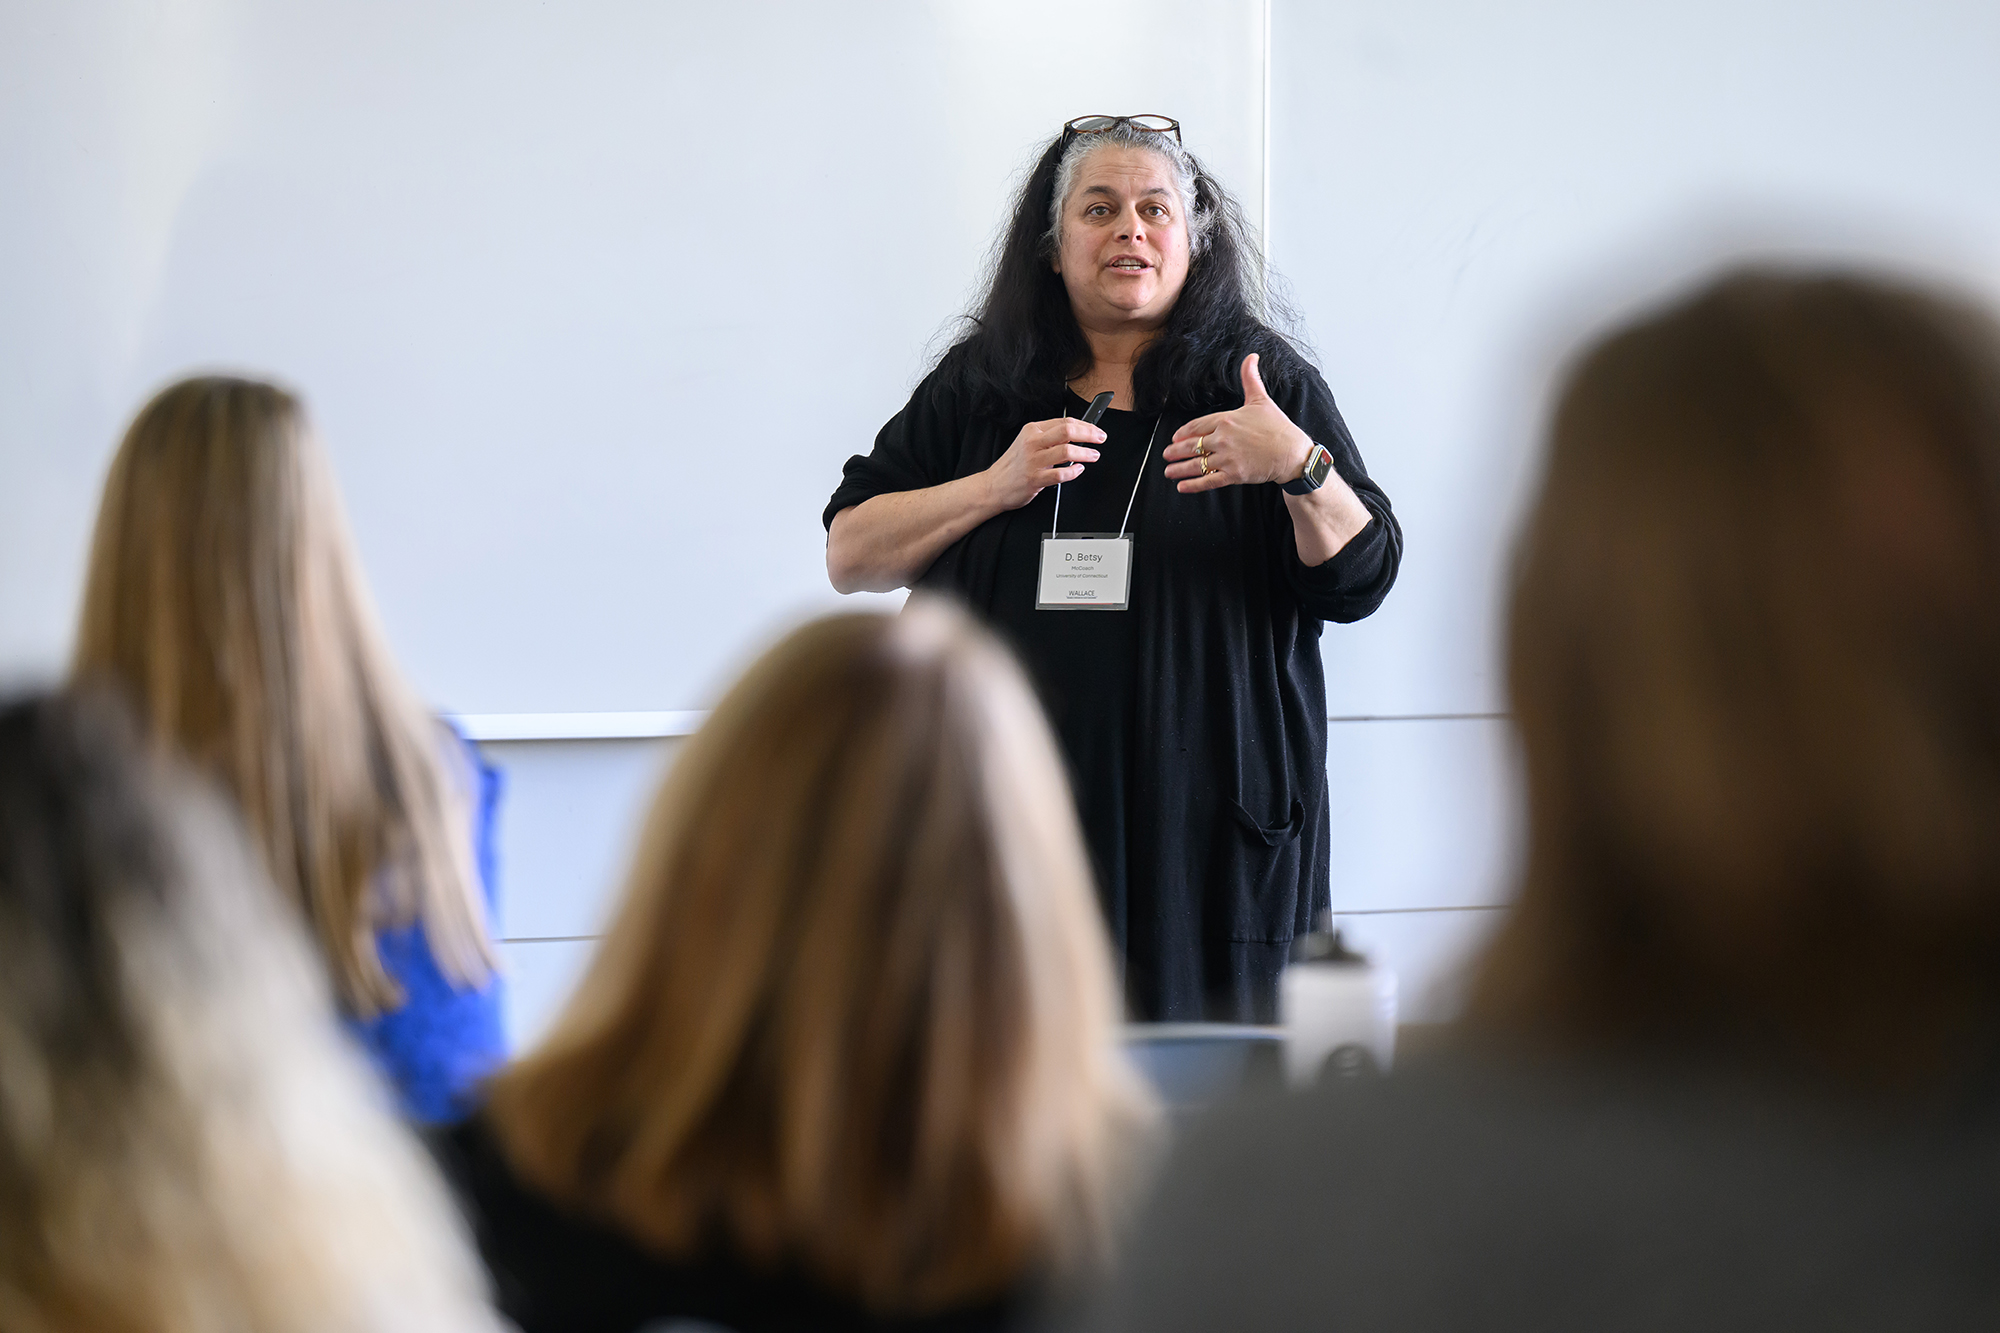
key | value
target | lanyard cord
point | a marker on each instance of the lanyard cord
(1055, 523)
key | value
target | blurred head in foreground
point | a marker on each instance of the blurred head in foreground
(225, 598)
(856, 1015)
(1755, 664)
(186, 1143)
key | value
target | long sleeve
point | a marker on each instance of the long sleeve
(917, 448)
(1353, 583)
(444, 1041)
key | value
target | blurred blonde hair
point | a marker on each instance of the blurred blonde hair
(225, 596)
(187, 1144)
(856, 1013)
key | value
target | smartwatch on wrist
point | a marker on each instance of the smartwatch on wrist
(1319, 464)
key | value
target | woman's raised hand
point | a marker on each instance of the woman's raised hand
(1044, 453)
(1257, 442)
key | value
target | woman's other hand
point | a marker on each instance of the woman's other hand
(1258, 442)
(1044, 453)
(1255, 443)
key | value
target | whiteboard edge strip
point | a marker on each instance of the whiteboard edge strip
(578, 726)
(685, 722)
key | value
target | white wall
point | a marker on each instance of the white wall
(570, 817)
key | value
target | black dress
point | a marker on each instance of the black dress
(1194, 723)
(555, 1272)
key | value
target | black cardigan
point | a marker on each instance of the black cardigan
(1201, 771)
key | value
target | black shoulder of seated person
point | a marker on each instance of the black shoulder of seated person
(553, 1269)
(1471, 1191)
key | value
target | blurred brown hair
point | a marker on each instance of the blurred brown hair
(188, 1143)
(1754, 658)
(225, 598)
(856, 1013)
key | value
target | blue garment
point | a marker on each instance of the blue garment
(443, 1042)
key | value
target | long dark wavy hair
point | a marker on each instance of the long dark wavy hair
(1022, 344)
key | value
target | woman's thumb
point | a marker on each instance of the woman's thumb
(1253, 383)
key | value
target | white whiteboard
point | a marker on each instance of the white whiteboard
(590, 300)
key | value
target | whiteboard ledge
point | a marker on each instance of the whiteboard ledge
(652, 726)
(578, 726)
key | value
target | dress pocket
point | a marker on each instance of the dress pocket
(1254, 875)
(1271, 835)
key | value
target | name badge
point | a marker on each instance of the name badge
(1085, 572)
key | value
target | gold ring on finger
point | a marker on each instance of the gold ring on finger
(1204, 465)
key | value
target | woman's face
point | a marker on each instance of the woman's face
(1124, 251)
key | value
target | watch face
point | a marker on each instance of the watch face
(1319, 465)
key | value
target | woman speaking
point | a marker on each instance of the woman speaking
(1164, 572)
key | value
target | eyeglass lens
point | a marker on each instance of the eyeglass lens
(1099, 124)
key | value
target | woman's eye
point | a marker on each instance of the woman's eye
(1096, 211)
